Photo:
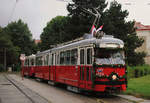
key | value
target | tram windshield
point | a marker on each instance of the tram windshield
(109, 56)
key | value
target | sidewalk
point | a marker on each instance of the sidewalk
(134, 99)
(14, 92)
(9, 93)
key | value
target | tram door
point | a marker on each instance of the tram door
(52, 67)
(88, 71)
(85, 68)
(82, 68)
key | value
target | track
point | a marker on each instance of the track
(12, 81)
(31, 96)
(61, 95)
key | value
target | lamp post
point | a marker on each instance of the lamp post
(5, 60)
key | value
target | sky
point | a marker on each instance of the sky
(36, 13)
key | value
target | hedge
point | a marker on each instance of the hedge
(138, 71)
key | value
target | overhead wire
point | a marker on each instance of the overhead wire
(12, 12)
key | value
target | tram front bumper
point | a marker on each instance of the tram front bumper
(102, 86)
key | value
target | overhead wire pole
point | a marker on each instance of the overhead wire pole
(12, 12)
(5, 61)
(89, 11)
(5, 50)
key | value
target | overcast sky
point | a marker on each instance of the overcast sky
(36, 13)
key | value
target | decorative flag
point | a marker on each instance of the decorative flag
(100, 28)
(93, 30)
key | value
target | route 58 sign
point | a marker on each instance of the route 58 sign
(22, 57)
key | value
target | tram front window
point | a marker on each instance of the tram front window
(109, 56)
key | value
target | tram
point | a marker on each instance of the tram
(85, 64)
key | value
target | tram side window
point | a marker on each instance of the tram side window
(61, 57)
(38, 61)
(65, 57)
(32, 62)
(74, 56)
(26, 62)
(89, 56)
(82, 56)
(67, 60)
(52, 59)
(57, 55)
(44, 58)
(47, 59)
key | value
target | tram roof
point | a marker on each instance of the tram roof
(85, 42)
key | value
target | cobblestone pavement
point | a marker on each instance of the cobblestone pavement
(14, 92)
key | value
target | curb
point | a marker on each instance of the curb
(133, 99)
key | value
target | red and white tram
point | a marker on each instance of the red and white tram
(88, 64)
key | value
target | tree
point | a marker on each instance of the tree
(7, 49)
(116, 25)
(81, 21)
(114, 21)
(55, 32)
(61, 29)
(15, 39)
(21, 37)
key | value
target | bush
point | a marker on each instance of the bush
(1, 67)
(138, 71)
(17, 67)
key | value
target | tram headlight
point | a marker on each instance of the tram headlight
(103, 45)
(121, 45)
(114, 77)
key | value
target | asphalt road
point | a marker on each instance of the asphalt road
(61, 95)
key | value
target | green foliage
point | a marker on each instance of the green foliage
(138, 71)
(114, 21)
(80, 22)
(16, 39)
(11, 50)
(77, 23)
(55, 32)
(17, 67)
(21, 36)
(1, 67)
(62, 29)
(115, 24)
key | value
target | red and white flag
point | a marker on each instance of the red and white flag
(93, 30)
(100, 28)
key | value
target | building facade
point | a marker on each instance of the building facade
(143, 31)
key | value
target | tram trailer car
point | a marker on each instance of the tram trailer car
(89, 64)
(29, 66)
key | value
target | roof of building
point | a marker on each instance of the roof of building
(141, 27)
(37, 41)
